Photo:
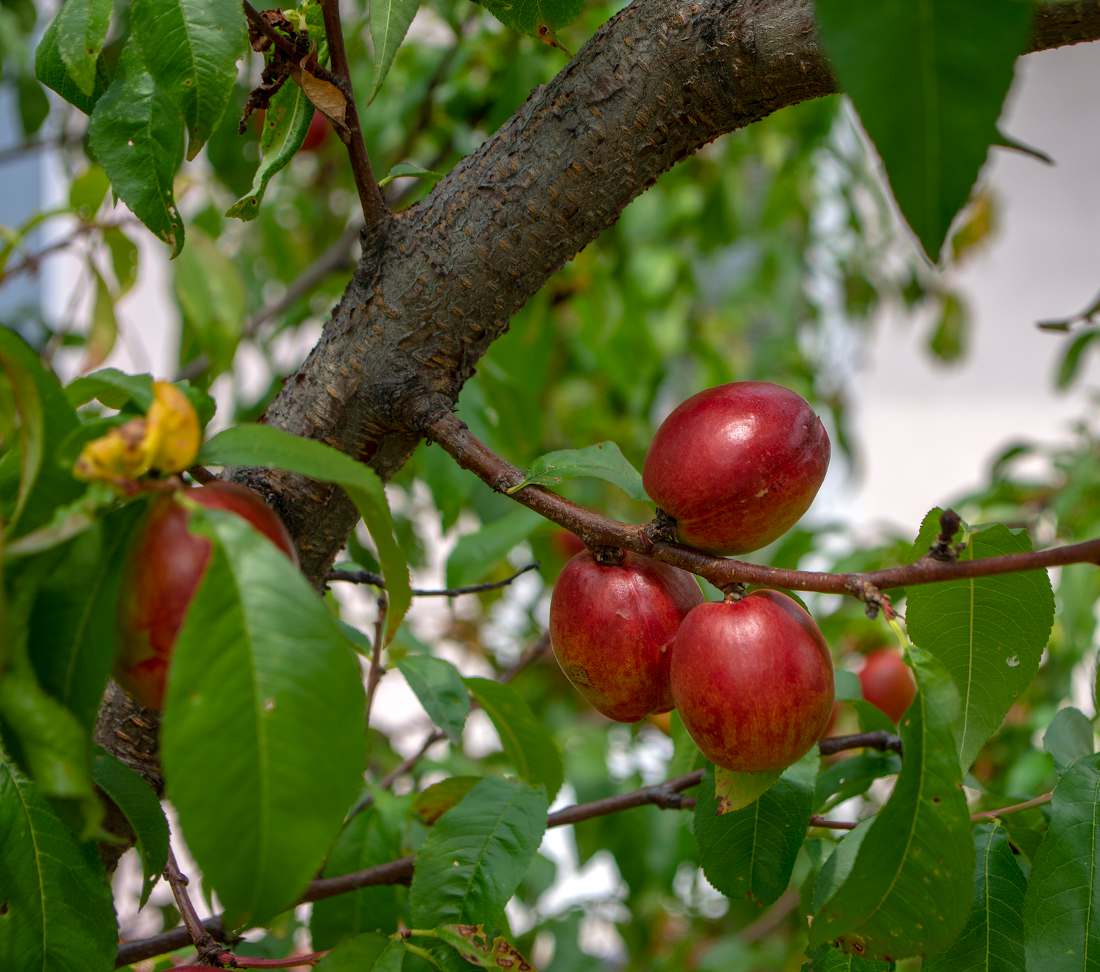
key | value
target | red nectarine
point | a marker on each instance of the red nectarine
(887, 682)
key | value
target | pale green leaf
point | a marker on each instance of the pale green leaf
(438, 686)
(604, 460)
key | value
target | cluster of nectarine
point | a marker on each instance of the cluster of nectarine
(751, 676)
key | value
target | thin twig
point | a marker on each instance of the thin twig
(861, 740)
(375, 213)
(597, 530)
(200, 937)
(374, 676)
(818, 821)
(377, 580)
(230, 960)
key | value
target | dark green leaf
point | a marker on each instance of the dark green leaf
(1069, 367)
(829, 959)
(142, 810)
(389, 23)
(605, 461)
(365, 953)
(265, 445)
(529, 16)
(909, 887)
(752, 851)
(438, 686)
(1063, 894)
(477, 853)
(136, 133)
(992, 940)
(526, 741)
(989, 632)
(928, 78)
(370, 837)
(50, 69)
(1068, 737)
(191, 48)
(58, 908)
(476, 554)
(263, 692)
(852, 776)
(81, 30)
(211, 296)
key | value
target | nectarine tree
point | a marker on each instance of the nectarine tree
(277, 631)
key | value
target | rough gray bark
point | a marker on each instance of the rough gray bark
(438, 284)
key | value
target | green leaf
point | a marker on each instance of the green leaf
(928, 78)
(526, 741)
(137, 136)
(476, 554)
(81, 30)
(751, 852)
(87, 192)
(475, 856)
(909, 887)
(846, 685)
(734, 791)
(389, 23)
(1069, 366)
(264, 445)
(407, 170)
(142, 810)
(211, 295)
(124, 258)
(51, 70)
(989, 632)
(852, 776)
(829, 959)
(59, 912)
(1063, 895)
(1068, 737)
(75, 616)
(286, 122)
(439, 687)
(527, 16)
(604, 460)
(950, 335)
(262, 692)
(370, 837)
(103, 332)
(992, 940)
(191, 48)
(19, 367)
(364, 953)
(113, 388)
(432, 802)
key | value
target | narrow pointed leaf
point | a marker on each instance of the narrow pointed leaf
(1061, 908)
(262, 738)
(477, 853)
(604, 460)
(389, 23)
(910, 885)
(142, 810)
(992, 940)
(136, 133)
(928, 78)
(751, 852)
(191, 48)
(531, 749)
(265, 445)
(439, 687)
(988, 632)
(59, 913)
(81, 30)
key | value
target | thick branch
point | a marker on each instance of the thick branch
(597, 530)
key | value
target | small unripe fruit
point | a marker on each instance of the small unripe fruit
(611, 627)
(163, 569)
(317, 133)
(737, 465)
(887, 682)
(752, 681)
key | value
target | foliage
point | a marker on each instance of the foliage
(723, 270)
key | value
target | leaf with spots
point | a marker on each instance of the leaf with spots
(528, 16)
(992, 940)
(136, 134)
(264, 692)
(1062, 905)
(988, 632)
(909, 887)
(829, 959)
(191, 48)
